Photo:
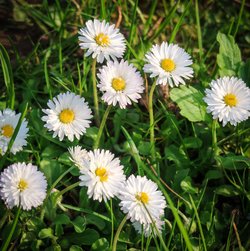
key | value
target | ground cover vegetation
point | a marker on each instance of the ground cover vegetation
(124, 125)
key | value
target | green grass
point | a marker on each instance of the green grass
(201, 167)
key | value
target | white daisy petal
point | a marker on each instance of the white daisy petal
(120, 83)
(69, 115)
(138, 193)
(8, 123)
(148, 228)
(102, 174)
(170, 63)
(22, 185)
(102, 40)
(79, 156)
(228, 100)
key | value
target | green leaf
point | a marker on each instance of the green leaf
(144, 148)
(244, 72)
(79, 224)
(190, 101)
(62, 219)
(75, 248)
(192, 142)
(88, 237)
(100, 245)
(234, 162)
(229, 57)
(176, 155)
(46, 233)
(227, 191)
(214, 174)
(187, 186)
(95, 220)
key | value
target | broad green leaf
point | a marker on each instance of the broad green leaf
(176, 155)
(244, 72)
(229, 57)
(192, 142)
(79, 224)
(88, 237)
(214, 174)
(190, 101)
(62, 219)
(227, 191)
(46, 233)
(95, 220)
(100, 245)
(75, 248)
(144, 148)
(234, 162)
(187, 186)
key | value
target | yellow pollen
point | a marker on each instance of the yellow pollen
(22, 185)
(143, 197)
(66, 116)
(118, 84)
(168, 64)
(7, 131)
(102, 39)
(230, 99)
(102, 173)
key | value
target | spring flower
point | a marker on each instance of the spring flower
(68, 115)
(228, 100)
(102, 40)
(149, 228)
(103, 176)
(170, 63)
(139, 198)
(8, 123)
(79, 156)
(120, 83)
(22, 185)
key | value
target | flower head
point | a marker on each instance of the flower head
(22, 185)
(8, 123)
(140, 199)
(149, 228)
(79, 156)
(120, 83)
(170, 63)
(103, 175)
(228, 100)
(102, 40)
(68, 115)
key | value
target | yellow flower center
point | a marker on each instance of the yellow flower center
(230, 99)
(168, 64)
(102, 173)
(118, 84)
(66, 116)
(102, 39)
(22, 185)
(143, 197)
(7, 131)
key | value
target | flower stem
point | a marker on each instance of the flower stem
(7, 241)
(68, 188)
(151, 119)
(104, 119)
(118, 232)
(214, 139)
(96, 107)
(112, 223)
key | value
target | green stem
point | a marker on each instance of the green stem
(240, 15)
(118, 233)
(96, 107)
(151, 119)
(214, 139)
(52, 187)
(7, 241)
(104, 119)
(65, 190)
(112, 224)
(198, 29)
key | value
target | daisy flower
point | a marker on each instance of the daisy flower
(148, 228)
(103, 176)
(8, 123)
(228, 100)
(22, 185)
(102, 40)
(79, 156)
(139, 198)
(120, 83)
(68, 115)
(170, 63)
